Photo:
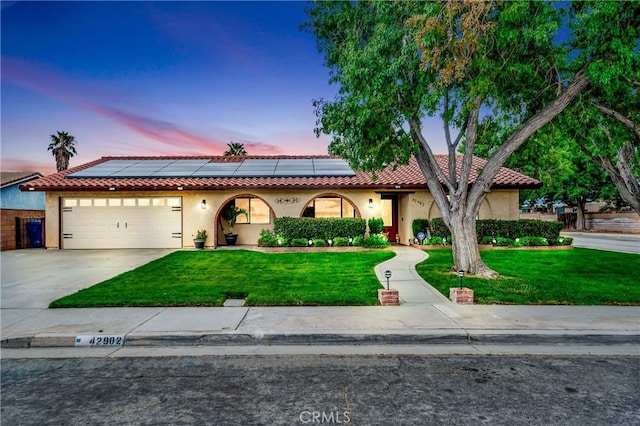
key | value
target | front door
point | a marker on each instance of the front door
(389, 209)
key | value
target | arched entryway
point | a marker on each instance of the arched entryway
(259, 215)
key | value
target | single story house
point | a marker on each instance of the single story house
(161, 202)
(19, 209)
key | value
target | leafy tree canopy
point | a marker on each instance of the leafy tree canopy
(475, 65)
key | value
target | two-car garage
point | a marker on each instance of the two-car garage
(121, 222)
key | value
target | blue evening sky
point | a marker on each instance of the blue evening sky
(158, 78)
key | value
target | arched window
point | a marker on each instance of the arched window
(329, 206)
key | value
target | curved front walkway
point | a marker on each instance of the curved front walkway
(412, 289)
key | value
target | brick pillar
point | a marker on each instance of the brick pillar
(388, 297)
(461, 296)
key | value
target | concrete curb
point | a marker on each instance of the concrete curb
(506, 337)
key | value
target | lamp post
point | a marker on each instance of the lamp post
(461, 275)
(387, 275)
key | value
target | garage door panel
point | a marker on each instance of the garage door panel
(123, 223)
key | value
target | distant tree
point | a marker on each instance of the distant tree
(63, 147)
(235, 148)
(605, 120)
(592, 149)
(467, 62)
(567, 174)
(612, 146)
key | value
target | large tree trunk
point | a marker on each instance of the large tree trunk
(631, 187)
(581, 223)
(461, 221)
(460, 208)
(465, 246)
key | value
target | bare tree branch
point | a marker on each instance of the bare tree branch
(634, 127)
(520, 136)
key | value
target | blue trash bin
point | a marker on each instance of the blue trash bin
(34, 231)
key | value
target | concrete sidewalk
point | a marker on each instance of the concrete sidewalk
(424, 317)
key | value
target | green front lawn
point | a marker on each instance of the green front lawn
(573, 277)
(207, 278)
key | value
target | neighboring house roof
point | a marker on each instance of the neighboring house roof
(404, 177)
(12, 178)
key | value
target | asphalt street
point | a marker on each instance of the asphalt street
(313, 389)
(624, 243)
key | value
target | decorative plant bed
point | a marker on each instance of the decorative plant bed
(492, 247)
(430, 247)
(532, 248)
(316, 249)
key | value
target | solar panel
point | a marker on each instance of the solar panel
(286, 167)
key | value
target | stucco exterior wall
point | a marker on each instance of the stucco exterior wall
(12, 198)
(500, 204)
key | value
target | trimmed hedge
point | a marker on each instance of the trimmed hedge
(517, 228)
(511, 229)
(376, 225)
(322, 228)
(439, 229)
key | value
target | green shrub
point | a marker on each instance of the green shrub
(267, 239)
(376, 241)
(561, 241)
(299, 242)
(439, 229)
(486, 240)
(376, 225)
(341, 241)
(529, 241)
(503, 242)
(324, 228)
(357, 241)
(435, 241)
(317, 242)
(419, 225)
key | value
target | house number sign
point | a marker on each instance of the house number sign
(102, 340)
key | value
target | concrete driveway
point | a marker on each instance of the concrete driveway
(31, 279)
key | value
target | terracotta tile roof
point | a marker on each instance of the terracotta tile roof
(10, 178)
(404, 177)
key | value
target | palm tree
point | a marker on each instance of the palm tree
(63, 148)
(235, 148)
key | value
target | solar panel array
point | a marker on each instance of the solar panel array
(303, 167)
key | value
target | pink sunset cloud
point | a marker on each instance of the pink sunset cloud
(12, 164)
(26, 75)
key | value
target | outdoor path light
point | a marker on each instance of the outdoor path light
(387, 275)
(461, 275)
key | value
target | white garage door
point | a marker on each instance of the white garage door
(122, 222)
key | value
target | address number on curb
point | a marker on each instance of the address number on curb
(99, 340)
